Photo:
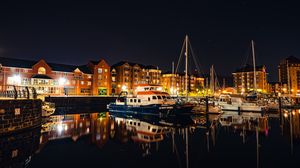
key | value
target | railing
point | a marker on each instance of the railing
(15, 92)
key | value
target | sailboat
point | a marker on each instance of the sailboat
(229, 103)
(214, 83)
(253, 95)
(187, 51)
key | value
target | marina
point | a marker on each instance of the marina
(166, 84)
(131, 140)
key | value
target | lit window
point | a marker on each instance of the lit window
(41, 70)
(105, 70)
(89, 83)
(99, 70)
(82, 82)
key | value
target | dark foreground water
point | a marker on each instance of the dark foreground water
(107, 140)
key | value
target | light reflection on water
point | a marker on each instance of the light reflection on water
(247, 140)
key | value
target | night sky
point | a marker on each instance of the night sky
(151, 32)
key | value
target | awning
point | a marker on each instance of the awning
(41, 76)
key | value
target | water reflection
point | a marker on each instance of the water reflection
(16, 150)
(250, 139)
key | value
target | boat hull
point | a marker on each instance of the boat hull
(241, 108)
(150, 109)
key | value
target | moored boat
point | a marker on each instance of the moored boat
(228, 103)
(148, 99)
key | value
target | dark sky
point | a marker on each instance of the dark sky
(151, 32)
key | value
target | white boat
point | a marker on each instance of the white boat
(148, 99)
(228, 103)
(48, 109)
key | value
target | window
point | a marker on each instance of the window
(99, 70)
(41, 70)
(135, 100)
(82, 82)
(158, 97)
(89, 83)
(85, 90)
(139, 100)
(153, 97)
(148, 98)
(131, 100)
(105, 70)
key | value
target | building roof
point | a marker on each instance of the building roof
(96, 62)
(20, 63)
(292, 59)
(133, 63)
(249, 68)
(41, 76)
(151, 67)
(13, 62)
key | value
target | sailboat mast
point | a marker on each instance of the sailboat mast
(172, 67)
(212, 79)
(254, 66)
(289, 81)
(186, 66)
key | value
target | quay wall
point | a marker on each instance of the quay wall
(19, 114)
(80, 104)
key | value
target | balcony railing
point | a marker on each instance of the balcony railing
(16, 92)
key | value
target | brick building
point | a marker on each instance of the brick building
(56, 79)
(291, 64)
(244, 79)
(175, 83)
(127, 75)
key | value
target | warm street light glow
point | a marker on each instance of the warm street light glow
(285, 115)
(17, 79)
(62, 81)
(124, 88)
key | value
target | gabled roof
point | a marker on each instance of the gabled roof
(96, 62)
(20, 63)
(85, 69)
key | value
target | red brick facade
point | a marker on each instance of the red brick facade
(57, 79)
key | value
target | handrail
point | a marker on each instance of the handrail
(15, 92)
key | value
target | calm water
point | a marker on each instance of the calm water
(103, 139)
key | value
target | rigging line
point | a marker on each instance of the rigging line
(200, 72)
(216, 79)
(247, 53)
(180, 56)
